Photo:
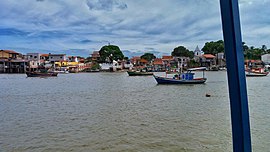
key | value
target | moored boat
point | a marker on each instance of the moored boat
(184, 78)
(256, 74)
(259, 72)
(139, 73)
(41, 74)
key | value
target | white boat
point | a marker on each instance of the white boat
(256, 74)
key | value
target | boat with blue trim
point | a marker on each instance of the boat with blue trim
(183, 78)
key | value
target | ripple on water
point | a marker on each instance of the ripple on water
(114, 112)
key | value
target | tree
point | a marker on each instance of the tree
(148, 56)
(264, 48)
(108, 53)
(244, 46)
(213, 47)
(181, 51)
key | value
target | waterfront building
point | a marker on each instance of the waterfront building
(221, 61)
(167, 61)
(72, 59)
(57, 57)
(158, 64)
(12, 62)
(266, 58)
(95, 56)
(34, 61)
(208, 61)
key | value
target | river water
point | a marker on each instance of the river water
(113, 112)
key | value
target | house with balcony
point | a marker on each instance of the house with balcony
(57, 57)
(158, 65)
(168, 61)
(34, 61)
(208, 61)
(12, 62)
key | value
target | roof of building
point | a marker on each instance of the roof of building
(197, 49)
(158, 61)
(10, 51)
(253, 61)
(143, 61)
(167, 57)
(135, 58)
(57, 54)
(46, 55)
(95, 52)
(208, 56)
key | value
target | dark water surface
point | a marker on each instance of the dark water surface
(113, 112)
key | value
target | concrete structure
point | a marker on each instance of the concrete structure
(221, 61)
(73, 59)
(12, 62)
(266, 58)
(208, 61)
(57, 57)
(34, 61)
(95, 56)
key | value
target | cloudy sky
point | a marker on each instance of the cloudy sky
(78, 27)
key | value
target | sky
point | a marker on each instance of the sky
(78, 27)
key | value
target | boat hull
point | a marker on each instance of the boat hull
(163, 80)
(40, 74)
(256, 74)
(133, 73)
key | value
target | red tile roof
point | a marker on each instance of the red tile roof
(253, 61)
(136, 58)
(158, 61)
(46, 55)
(143, 61)
(209, 56)
(167, 57)
(10, 51)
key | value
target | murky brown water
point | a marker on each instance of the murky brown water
(114, 112)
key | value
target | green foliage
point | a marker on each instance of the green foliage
(109, 53)
(213, 47)
(95, 66)
(255, 53)
(148, 56)
(192, 64)
(181, 51)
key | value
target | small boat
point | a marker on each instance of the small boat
(259, 72)
(184, 78)
(41, 74)
(256, 74)
(139, 73)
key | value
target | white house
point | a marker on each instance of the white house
(34, 60)
(57, 57)
(266, 58)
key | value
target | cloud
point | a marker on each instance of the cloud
(107, 5)
(132, 25)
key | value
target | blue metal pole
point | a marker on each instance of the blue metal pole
(236, 76)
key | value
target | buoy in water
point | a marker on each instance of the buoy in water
(207, 95)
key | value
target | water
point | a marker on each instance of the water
(114, 112)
